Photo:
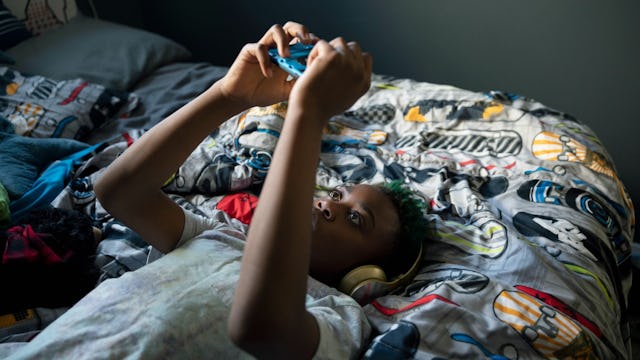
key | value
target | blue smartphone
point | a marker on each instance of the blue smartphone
(296, 63)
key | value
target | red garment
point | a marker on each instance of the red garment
(24, 245)
(240, 206)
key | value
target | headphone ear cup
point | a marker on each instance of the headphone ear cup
(368, 282)
(359, 275)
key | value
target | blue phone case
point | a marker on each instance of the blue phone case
(294, 64)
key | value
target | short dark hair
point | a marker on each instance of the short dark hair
(411, 211)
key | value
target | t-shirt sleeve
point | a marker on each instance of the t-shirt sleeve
(194, 225)
(344, 328)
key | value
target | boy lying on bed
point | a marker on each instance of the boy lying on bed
(288, 239)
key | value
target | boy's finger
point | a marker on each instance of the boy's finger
(299, 31)
(355, 48)
(340, 45)
(368, 63)
(261, 53)
(368, 68)
(276, 34)
(321, 47)
(313, 38)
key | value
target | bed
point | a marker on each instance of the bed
(528, 253)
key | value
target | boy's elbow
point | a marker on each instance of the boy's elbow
(108, 192)
(270, 338)
(243, 335)
(242, 332)
(254, 338)
(102, 190)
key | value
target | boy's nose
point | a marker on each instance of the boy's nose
(325, 208)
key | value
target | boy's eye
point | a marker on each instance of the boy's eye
(355, 218)
(335, 195)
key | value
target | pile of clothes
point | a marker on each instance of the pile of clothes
(47, 265)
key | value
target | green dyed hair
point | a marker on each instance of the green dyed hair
(413, 225)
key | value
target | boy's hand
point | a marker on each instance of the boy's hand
(253, 80)
(337, 74)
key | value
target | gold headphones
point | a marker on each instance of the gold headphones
(367, 282)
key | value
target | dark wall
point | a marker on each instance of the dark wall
(578, 56)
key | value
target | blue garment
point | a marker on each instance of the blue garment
(50, 183)
(23, 158)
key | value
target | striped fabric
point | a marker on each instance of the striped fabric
(12, 30)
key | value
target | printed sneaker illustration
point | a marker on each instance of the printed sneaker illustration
(551, 333)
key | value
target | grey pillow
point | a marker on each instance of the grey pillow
(99, 51)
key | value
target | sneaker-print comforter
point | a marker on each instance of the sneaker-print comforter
(529, 250)
(528, 254)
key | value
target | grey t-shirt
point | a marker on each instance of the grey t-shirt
(343, 325)
(177, 306)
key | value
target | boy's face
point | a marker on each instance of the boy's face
(352, 226)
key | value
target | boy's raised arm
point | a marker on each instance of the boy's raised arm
(268, 316)
(130, 189)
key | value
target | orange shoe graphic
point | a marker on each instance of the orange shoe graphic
(553, 334)
(554, 147)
